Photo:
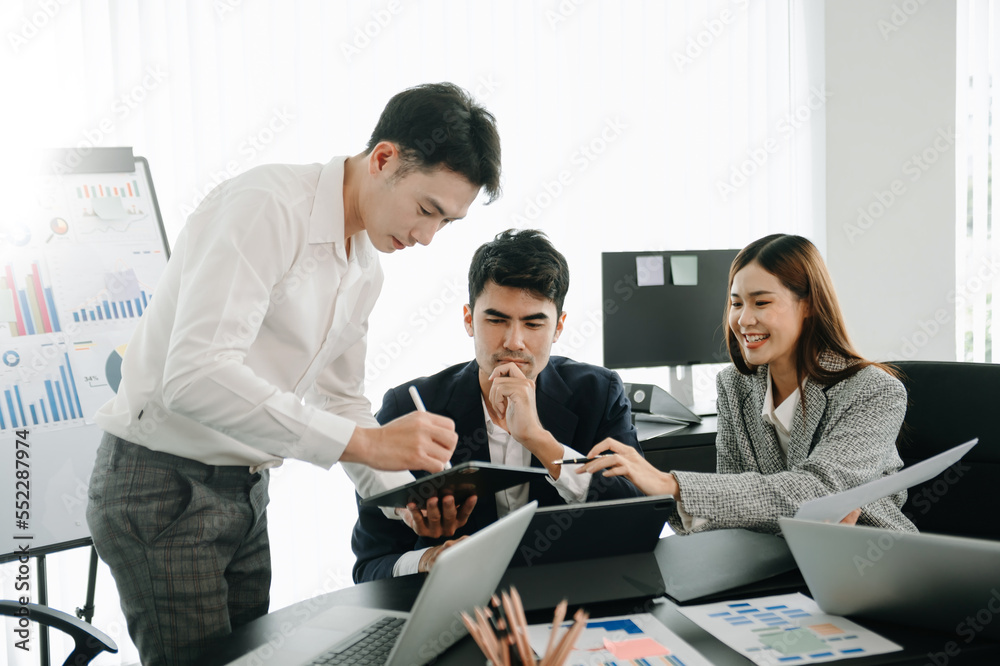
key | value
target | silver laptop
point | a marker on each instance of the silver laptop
(928, 580)
(464, 576)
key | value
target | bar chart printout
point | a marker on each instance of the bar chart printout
(786, 629)
(38, 388)
(624, 640)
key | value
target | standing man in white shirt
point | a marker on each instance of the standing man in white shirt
(253, 351)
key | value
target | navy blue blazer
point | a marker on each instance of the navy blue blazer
(579, 404)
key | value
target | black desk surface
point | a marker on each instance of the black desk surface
(921, 647)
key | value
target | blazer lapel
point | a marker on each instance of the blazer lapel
(804, 427)
(466, 408)
(551, 396)
(763, 439)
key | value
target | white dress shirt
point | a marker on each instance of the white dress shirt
(253, 347)
(781, 416)
(506, 450)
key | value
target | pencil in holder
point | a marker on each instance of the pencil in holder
(501, 631)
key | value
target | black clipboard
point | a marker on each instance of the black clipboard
(462, 481)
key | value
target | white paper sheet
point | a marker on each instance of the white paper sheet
(770, 630)
(833, 508)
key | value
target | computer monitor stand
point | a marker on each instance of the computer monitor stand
(681, 384)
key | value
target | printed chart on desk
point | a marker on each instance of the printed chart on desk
(786, 629)
(624, 640)
(76, 273)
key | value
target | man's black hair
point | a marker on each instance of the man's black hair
(522, 259)
(439, 124)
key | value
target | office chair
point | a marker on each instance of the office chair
(950, 403)
(90, 641)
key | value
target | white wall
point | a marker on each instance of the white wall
(890, 69)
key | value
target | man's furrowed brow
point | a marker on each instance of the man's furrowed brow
(537, 315)
(490, 312)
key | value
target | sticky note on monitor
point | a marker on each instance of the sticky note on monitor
(684, 270)
(649, 270)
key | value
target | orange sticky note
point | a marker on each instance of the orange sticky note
(637, 649)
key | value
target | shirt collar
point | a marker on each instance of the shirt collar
(783, 413)
(490, 426)
(326, 221)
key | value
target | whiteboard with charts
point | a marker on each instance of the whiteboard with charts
(78, 268)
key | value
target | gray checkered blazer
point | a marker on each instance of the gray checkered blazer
(846, 437)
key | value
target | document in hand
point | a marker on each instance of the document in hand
(833, 508)
(462, 481)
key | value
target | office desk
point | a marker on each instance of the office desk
(399, 594)
(691, 449)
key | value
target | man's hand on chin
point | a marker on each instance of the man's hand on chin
(512, 397)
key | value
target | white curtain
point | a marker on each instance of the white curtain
(626, 125)
(978, 260)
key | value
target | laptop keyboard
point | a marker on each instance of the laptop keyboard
(372, 647)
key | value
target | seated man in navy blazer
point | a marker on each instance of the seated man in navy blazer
(513, 405)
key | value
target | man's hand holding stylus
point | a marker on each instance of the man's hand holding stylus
(418, 440)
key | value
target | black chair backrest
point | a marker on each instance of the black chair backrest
(950, 403)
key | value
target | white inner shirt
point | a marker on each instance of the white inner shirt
(781, 416)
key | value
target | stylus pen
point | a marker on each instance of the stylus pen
(582, 461)
(419, 404)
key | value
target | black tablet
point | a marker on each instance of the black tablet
(594, 529)
(464, 480)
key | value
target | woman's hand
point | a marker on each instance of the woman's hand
(851, 518)
(627, 462)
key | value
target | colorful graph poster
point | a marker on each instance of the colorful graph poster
(786, 629)
(80, 255)
(76, 273)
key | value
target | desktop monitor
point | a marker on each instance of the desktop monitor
(664, 308)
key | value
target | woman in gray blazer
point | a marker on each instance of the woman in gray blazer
(801, 413)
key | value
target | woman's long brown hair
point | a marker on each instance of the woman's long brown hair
(796, 262)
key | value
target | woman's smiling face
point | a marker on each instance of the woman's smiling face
(766, 318)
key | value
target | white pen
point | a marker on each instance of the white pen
(419, 404)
